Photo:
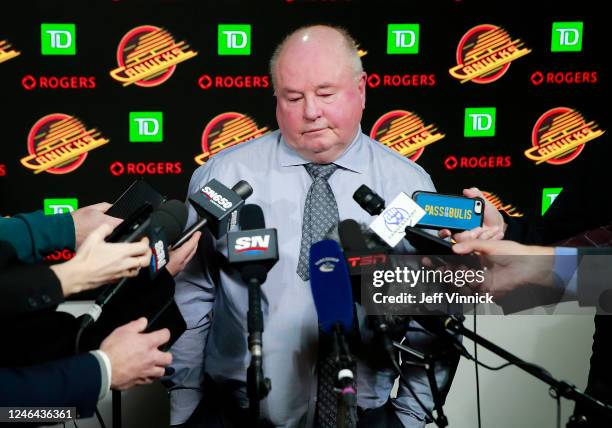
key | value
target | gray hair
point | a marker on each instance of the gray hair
(348, 42)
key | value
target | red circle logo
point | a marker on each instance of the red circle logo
(49, 130)
(137, 40)
(389, 123)
(212, 136)
(475, 41)
(549, 124)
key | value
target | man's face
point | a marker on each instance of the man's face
(319, 101)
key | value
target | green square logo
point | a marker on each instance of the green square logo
(60, 206)
(566, 37)
(402, 39)
(234, 39)
(549, 194)
(479, 122)
(146, 127)
(58, 39)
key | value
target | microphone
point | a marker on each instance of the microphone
(391, 222)
(333, 299)
(253, 251)
(357, 253)
(369, 200)
(361, 248)
(330, 286)
(166, 224)
(217, 206)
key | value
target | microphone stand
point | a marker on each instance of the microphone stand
(347, 398)
(565, 389)
(427, 362)
(258, 386)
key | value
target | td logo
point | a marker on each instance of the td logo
(566, 37)
(58, 39)
(60, 206)
(479, 122)
(146, 127)
(549, 194)
(234, 39)
(402, 39)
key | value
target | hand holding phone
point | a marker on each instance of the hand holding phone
(437, 248)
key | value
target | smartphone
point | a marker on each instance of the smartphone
(453, 212)
(133, 198)
(426, 243)
(437, 248)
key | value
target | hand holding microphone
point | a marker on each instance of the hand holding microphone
(179, 257)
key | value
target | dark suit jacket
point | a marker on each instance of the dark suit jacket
(26, 288)
(68, 382)
(33, 332)
(30, 328)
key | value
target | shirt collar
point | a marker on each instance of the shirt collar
(351, 159)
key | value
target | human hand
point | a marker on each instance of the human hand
(493, 225)
(98, 262)
(510, 265)
(88, 218)
(180, 256)
(134, 355)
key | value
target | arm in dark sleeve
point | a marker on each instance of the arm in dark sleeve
(594, 273)
(34, 234)
(26, 288)
(69, 382)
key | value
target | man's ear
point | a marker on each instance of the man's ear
(361, 86)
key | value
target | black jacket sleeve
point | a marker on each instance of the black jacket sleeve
(68, 382)
(26, 288)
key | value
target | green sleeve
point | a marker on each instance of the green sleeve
(34, 235)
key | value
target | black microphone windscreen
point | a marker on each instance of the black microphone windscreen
(172, 216)
(369, 200)
(243, 189)
(251, 217)
(351, 237)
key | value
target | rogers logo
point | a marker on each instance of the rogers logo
(2, 170)
(207, 81)
(217, 197)
(30, 82)
(477, 162)
(564, 78)
(118, 168)
(401, 80)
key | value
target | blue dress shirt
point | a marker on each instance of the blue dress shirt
(216, 312)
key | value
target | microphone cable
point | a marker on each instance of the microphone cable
(477, 377)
